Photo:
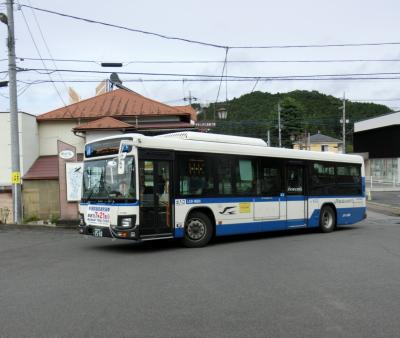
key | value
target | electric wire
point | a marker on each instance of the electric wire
(38, 51)
(265, 77)
(46, 45)
(229, 80)
(208, 44)
(125, 63)
(222, 76)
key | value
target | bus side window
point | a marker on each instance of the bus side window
(269, 179)
(245, 172)
(348, 179)
(322, 179)
(195, 175)
(295, 180)
(225, 177)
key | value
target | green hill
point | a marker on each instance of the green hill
(301, 112)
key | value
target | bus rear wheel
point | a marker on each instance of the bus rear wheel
(198, 230)
(327, 219)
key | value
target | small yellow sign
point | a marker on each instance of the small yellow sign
(244, 208)
(16, 177)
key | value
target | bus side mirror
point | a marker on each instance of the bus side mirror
(124, 147)
(121, 163)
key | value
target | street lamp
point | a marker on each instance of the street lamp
(222, 113)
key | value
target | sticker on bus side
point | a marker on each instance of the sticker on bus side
(244, 208)
(180, 202)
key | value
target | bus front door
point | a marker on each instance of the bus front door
(155, 198)
(296, 202)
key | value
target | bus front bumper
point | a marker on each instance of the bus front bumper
(106, 232)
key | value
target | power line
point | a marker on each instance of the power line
(46, 45)
(125, 63)
(44, 65)
(222, 77)
(125, 28)
(383, 100)
(208, 44)
(217, 80)
(50, 71)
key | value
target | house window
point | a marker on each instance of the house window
(324, 147)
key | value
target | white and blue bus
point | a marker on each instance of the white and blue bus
(195, 186)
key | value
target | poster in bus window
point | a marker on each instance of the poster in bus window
(74, 180)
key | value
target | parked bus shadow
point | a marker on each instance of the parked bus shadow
(274, 234)
(122, 246)
(125, 246)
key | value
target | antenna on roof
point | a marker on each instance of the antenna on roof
(115, 80)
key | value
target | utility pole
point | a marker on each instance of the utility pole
(279, 125)
(190, 98)
(268, 138)
(12, 76)
(344, 123)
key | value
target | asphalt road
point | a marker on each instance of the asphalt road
(297, 284)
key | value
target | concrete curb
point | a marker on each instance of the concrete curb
(37, 226)
(383, 208)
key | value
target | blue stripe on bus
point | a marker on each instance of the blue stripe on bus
(179, 232)
(289, 198)
(135, 204)
(344, 216)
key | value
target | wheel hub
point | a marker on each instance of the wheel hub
(196, 229)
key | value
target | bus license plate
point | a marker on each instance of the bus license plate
(97, 233)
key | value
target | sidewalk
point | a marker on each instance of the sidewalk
(38, 226)
(385, 202)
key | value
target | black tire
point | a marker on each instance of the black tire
(198, 230)
(327, 219)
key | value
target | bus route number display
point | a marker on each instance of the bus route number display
(98, 215)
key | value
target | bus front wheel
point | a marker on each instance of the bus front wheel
(327, 219)
(198, 230)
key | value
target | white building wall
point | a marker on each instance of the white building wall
(377, 122)
(5, 152)
(28, 142)
(51, 131)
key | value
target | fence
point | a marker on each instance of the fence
(375, 183)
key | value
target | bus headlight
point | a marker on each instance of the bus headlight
(126, 222)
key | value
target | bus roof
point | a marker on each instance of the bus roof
(227, 144)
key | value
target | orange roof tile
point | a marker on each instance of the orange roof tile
(118, 102)
(104, 123)
(44, 168)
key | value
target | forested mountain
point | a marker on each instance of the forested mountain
(301, 112)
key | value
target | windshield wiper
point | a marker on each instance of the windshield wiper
(91, 191)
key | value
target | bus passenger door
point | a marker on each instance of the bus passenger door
(296, 203)
(269, 205)
(155, 197)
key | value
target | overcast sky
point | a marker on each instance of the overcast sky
(223, 22)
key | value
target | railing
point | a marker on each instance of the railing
(375, 183)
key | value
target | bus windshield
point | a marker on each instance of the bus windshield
(101, 180)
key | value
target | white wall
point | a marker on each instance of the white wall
(51, 131)
(28, 142)
(377, 122)
(5, 150)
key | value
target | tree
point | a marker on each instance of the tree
(291, 120)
